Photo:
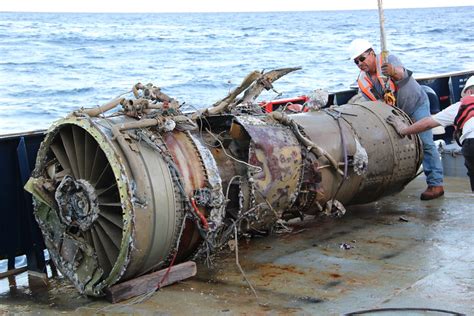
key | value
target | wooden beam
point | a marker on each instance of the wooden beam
(13, 272)
(54, 271)
(149, 282)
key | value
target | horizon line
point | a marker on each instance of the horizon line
(257, 11)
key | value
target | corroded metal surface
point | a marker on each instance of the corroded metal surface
(277, 152)
(392, 160)
(84, 259)
(121, 195)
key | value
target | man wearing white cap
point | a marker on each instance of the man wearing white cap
(459, 114)
(399, 86)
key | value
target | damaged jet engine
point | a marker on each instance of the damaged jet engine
(119, 194)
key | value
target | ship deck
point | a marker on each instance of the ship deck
(399, 252)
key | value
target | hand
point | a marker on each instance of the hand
(397, 124)
(388, 70)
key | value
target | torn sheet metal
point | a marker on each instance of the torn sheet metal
(277, 154)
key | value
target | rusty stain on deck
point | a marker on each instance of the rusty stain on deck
(425, 262)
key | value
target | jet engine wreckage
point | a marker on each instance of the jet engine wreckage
(119, 194)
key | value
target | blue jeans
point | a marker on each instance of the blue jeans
(431, 161)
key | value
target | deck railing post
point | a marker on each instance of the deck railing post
(33, 243)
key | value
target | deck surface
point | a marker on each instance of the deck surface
(402, 252)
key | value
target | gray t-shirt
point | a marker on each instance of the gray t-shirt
(409, 95)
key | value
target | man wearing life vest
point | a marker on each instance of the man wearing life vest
(459, 114)
(400, 89)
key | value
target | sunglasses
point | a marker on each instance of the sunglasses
(360, 59)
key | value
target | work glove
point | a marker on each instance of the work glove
(388, 70)
(397, 123)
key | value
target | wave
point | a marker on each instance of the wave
(74, 40)
(45, 93)
(437, 30)
(13, 63)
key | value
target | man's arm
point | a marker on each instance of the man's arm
(394, 72)
(403, 129)
(393, 68)
(420, 126)
(443, 118)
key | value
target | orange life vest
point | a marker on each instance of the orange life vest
(366, 86)
(465, 112)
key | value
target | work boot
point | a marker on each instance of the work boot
(432, 192)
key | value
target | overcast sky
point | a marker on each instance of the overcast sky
(214, 5)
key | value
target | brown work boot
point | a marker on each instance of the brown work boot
(432, 192)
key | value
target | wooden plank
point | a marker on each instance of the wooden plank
(16, 271)
(13, 272)
(149, 282)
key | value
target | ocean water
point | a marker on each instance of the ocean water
(51, 64)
